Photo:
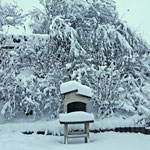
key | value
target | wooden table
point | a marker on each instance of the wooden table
(84, 134)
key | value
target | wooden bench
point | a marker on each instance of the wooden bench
(84, 134)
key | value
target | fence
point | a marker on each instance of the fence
(142, 130)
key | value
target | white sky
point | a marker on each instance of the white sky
(138, 17)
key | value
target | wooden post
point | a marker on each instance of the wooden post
(86, 130)
(65, 133)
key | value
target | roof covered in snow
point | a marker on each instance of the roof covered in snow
(71, 86)
(77, 116)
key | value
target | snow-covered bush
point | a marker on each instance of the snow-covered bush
(11, 15)
(28, 85)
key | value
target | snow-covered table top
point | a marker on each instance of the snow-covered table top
(76, 117)
(75, 86)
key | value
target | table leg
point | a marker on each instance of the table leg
(65, 133)
(86, 130)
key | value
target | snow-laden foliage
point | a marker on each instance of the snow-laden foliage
(87, 13)
(88, 43)
(10, 15)
(27, 87)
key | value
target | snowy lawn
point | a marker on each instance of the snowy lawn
(100, 141)
(54, 127)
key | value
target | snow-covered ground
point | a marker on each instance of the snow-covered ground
(100, 141)
(12, 138)
(54, 127)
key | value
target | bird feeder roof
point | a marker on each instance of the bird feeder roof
(72, 86)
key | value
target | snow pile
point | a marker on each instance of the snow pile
(77, 116)
(52, 126)
(75, 86)
(115, 122)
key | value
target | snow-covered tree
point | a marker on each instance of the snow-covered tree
(87, 13)
(112, 49)
(89, 43)
(11, 15)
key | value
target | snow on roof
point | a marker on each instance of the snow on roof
(77, 116)
(75, 86)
